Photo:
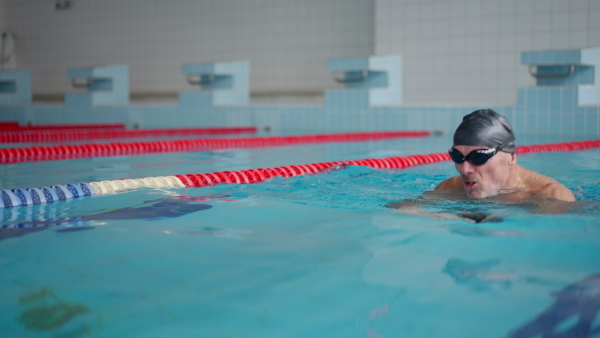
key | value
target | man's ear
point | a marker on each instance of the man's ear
(513, 159)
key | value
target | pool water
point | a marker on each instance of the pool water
(306, 256)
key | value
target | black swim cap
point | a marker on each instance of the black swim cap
(485, 128)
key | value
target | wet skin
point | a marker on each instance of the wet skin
(485, 180)
(502, 173)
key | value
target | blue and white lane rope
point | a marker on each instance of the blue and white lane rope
(46, 195)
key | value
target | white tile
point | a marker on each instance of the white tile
(490, 26)
(578, 38)
(578, 19)
(506, 43)
(456, 9)
(490, 8)
(576, 5)
(474, 26)
(594, 20)
(542, 41)
(560, 21)
(507, 62)
(508, 7)
(507, 24)
(560, 40)
(525, 6)
(594, 40)
(457, 28)
(473, 8)
(489, 45)
(489, 62)
(524, 23)
(542, 22)
(524, 42)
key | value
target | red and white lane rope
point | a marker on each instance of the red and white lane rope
(62, 152)
(44, 195)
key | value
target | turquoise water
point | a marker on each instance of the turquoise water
(307, 256)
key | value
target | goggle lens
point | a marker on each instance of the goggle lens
(476, 157)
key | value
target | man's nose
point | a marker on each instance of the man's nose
(465, 168)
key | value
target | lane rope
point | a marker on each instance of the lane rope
(40, 137)
(45, 195)
(16, 127)
(63, 152)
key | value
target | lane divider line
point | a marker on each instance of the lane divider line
(45, 195)
(15, 126)
(21, 136)
(63, 152)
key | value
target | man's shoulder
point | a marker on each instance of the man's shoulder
(548, 186)
(558, 191)
(451, 183)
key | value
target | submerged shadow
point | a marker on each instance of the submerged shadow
(577, 304)
(162, 208)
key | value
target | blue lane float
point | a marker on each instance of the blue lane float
(45, 195)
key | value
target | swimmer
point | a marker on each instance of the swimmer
(484, 156)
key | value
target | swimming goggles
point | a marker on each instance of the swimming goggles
(479, 156)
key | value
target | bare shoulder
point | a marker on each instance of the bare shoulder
(451, 183)
(558, 191)
(547, 186)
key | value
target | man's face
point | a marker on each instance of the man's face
(487, 179)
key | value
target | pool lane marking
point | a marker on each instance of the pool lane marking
(16, 127)
(21, 197)
(63, 152)
(27, 136)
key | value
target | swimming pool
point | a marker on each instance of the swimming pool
(315, 256)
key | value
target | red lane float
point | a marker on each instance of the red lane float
(9, 155)
(14, 126)
(18, 136)
(261, 174)
(249, 176)
(8, 124)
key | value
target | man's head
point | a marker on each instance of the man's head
(483, 152)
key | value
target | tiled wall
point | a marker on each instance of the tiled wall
(286, 42)
(457, 56)
(567, 110)
(467, 51)
(2, 15)
(454, 51)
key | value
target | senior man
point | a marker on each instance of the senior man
(484, 156)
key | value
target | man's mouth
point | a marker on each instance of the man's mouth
(469, 184)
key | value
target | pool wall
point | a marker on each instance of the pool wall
(560, 103)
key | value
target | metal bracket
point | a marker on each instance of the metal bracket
(536, 75)
(88, 82)
(203, 79)
(340, 77)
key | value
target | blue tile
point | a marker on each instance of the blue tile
(569, 98)
(531, 125)
(533, 98)
(554, 123)
(592, 121)
(566, 123)
(555, 98)
(579, 122)
(543, 100)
